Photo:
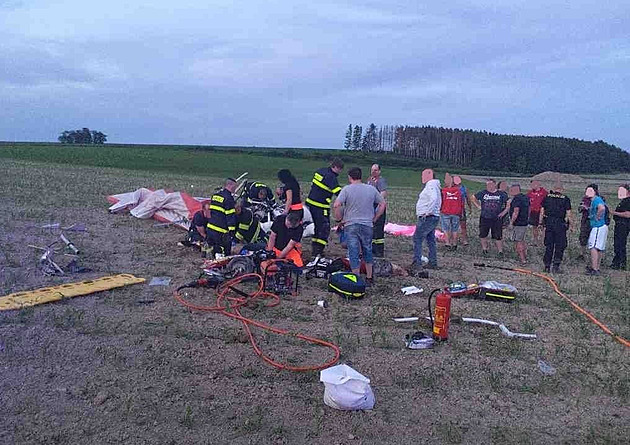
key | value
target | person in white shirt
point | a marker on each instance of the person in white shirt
(428, 213)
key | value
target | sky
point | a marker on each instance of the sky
(297, 73)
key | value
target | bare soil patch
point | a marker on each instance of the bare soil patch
(107, 368)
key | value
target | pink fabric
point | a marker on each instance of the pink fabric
(398, 230)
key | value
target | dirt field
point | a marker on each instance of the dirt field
(107, 368)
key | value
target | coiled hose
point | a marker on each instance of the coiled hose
(229, 304)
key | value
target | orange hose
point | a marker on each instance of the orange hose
(230, 307)
(577, 307)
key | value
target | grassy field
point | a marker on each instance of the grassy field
(107, 368)
(215, 162)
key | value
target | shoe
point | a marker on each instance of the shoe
(547, 269)
(484, 252)
(369, 282)
(593, 272)
(432, 266)
(618, 266)
(500, 255)
(453, 248)
(556, 269)
(588, 268)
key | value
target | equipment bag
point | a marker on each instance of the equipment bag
(346, 284)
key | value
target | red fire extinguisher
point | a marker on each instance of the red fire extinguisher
(440, 320)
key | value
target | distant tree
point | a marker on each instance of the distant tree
(356, 137)
(83, 136)
(98, 137)
(370, 140)
(348, 141)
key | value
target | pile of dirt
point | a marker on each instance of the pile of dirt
(550, 177)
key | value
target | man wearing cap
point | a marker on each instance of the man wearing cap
(555, 216)
(222, 223)
(378, 233)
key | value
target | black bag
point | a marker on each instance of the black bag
(346, 284)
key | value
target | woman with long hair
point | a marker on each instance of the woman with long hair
(291, 189)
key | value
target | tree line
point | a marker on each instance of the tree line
(83, 136)
(490, 151)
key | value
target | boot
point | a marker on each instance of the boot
(317, 249)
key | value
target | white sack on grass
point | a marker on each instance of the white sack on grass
(346, 389)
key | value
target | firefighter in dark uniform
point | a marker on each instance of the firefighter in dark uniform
(257, 193)
(222, 223)
(378, 232)
(323, 187)
(555, 215)
(248, 229)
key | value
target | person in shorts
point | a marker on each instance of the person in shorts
(519, 219)
(585, 224)
(492, 204)
(599, 230)
(450, 211)
(536, 196)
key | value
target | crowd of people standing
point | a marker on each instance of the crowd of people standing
(360, 210)
(503, 206)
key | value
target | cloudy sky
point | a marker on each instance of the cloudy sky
(296, 73)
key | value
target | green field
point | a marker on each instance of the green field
(200, 161)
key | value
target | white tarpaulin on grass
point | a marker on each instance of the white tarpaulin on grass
(177, 208)
(169, 207)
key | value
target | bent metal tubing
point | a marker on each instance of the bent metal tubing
(557, 290)
(230, 307)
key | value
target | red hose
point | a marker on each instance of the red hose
(576, 306)
(230, 307)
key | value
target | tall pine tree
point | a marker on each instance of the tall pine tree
(356, 137)
(348, 141)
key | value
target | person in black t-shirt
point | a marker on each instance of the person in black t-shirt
(621, 215)
(291, 190)
(285, 238)
(519, 219)
(492, 204)
(555, 215)
(502, 186)
(197, 231)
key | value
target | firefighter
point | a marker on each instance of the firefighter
(258, 193)
(222, 223)
(323, 187)
(378, 235)
(555, 215)
(248, 229)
